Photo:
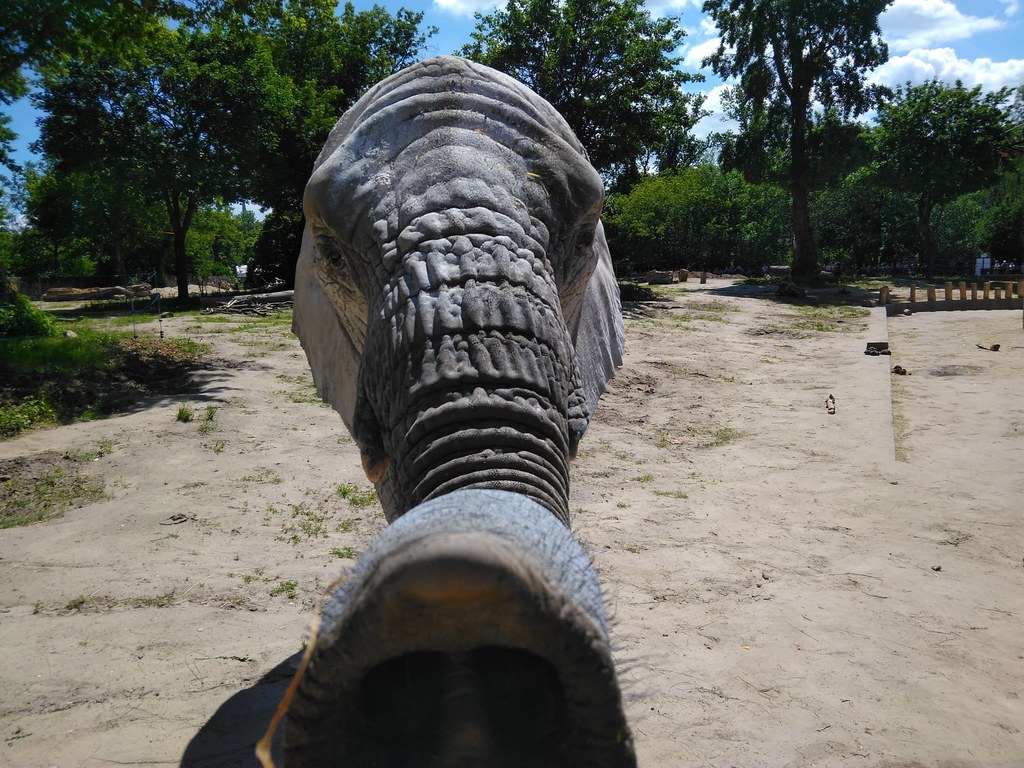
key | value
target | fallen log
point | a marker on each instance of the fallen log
(249, 303)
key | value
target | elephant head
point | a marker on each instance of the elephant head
(455, 299)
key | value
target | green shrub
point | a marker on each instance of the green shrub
(16, 417)
(22, 319)
(636, 292)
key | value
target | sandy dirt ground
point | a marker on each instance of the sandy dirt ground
(788, 587)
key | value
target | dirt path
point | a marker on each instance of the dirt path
(788, 587)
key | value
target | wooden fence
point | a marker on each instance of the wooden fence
(1003, 294)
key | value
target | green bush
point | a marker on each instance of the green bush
(22, 319)
(31, 412)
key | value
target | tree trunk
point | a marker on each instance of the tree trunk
(924, 227)
(118, 255)
(805, 257)
(180, 222)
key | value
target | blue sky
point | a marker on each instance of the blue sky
(980, 42)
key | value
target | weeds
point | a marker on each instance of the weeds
(31, 495)
(184, 414)
(77, 604)
(344, 553)
(306, 524)
(356, 497)
(286, 588)
(672, 494)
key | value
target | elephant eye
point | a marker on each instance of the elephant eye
(328, 250)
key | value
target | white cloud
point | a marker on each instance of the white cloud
(909, 24)
(467, 7)
(716, 121)
(942, 64)
(696, 54)
(667, 7)
(1012, 6)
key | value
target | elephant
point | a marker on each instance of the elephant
(456, 302)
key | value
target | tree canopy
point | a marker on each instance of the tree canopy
(789, 56)
(607, 67)
(182, 122)
(938, 142)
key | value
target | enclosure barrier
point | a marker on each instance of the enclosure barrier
(1005, 294)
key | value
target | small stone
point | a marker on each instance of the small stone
(936, 567)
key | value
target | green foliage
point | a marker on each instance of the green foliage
(787, 57)
(607, 67)
(31, 412)
(356, 496)
(937, 142)
(91, 375)
(43, 35)
(863, 227)
(182, 119)
(697, 218)
(330, 59)
(21, 318)
(636, 292)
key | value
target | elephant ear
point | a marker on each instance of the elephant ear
(599, 336)
(333, 353)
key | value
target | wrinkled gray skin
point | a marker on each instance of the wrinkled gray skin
(456, 301)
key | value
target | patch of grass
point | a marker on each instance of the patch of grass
(646, 478)
(89, 376)
(30, 412)
(662, 440)
(672, 494)
(303, 389)
(636, 292)
(159, 601)
(722, 436)
(344, 553)
(634, 550)
(269, 478)
(184, 414)
(357, 497)
(249, 578)
(218, 446)
(77, 604)
(306, 523)
(346, 526)
(38, 492)
(287, 588)
(830, 318)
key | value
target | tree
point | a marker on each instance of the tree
(185, 121)
(789, 54)
(696, 217)
(860, 226)
(45, 34)
(937, 143)
(607, 67)
(330, 60)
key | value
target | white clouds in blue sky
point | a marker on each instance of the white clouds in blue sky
(909, 24)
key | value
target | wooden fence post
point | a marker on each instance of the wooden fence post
(949, 290)
(974, 291)
(997, 293)
(985, 287)
(963, 290)
(913, 293)
(931, 293)
(883, 295)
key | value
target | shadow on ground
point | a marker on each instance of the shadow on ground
(228, 739)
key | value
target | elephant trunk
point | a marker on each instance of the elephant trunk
(472, 326)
